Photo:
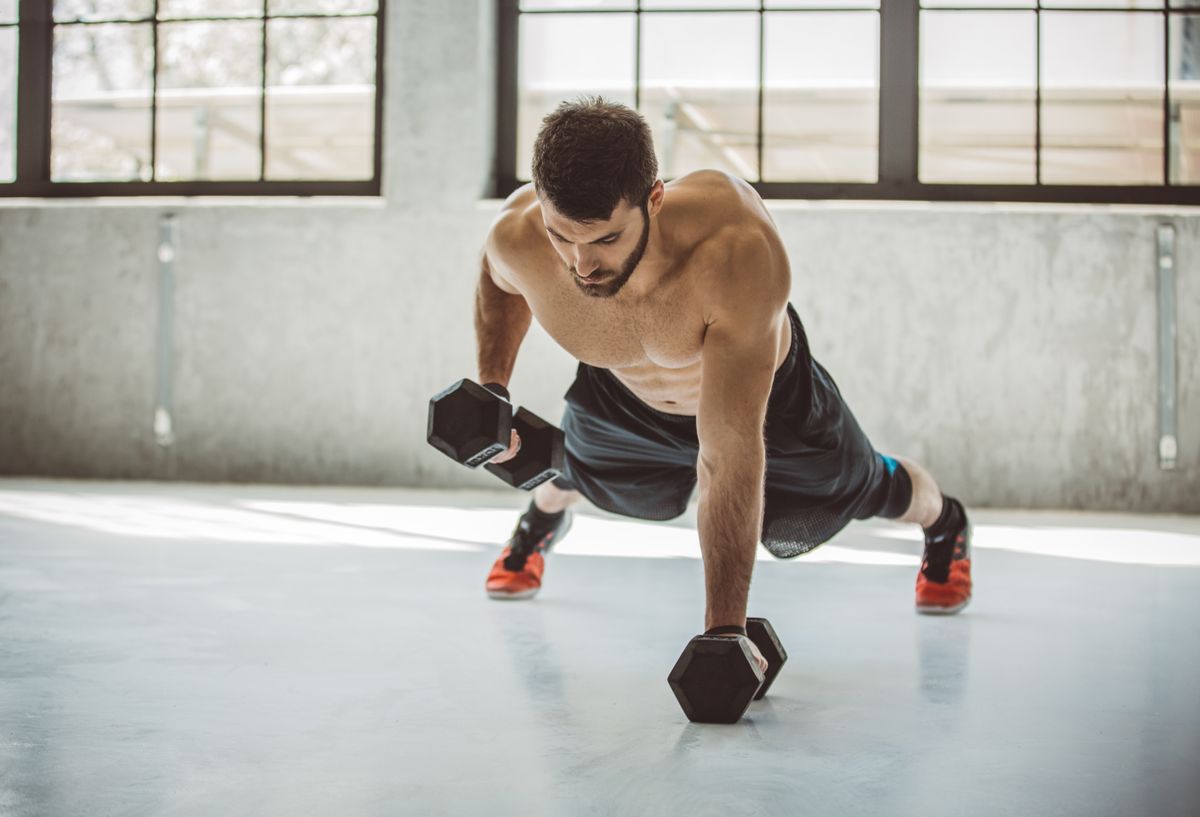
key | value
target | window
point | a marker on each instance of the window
(8, 90)
(193, 97)
(993, 100)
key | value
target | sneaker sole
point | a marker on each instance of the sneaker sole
(503, 596)
(930, 610)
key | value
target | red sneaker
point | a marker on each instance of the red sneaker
(944, 583)
(517, 574)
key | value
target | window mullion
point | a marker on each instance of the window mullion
(505, 161)
(762, 78)
(154, 97)
(262, 98)
(35, 48)
(898, 60)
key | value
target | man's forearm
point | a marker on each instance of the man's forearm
(731, 508)
(501, 321)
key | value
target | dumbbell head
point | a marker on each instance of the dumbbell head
(763, 635)
(468, 423)
(715, 679)
(540, 457)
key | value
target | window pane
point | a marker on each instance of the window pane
(8, 104)
(700, 91)
(322, 6)
(1185, 4)
(102, 10)
(101, 103)
(321, 99)
(563, 56)
(699, 4)
(8, 11)
(978, 97)
(1021, 4)
(530, 5)
(208, 100)
(1102, 98)
(1116, 4)
(799, 4)
(168, 9)
(1185, 99)
(821, 97)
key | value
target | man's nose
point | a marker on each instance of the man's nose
(585, 265)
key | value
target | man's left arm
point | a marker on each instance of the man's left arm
(737, 370)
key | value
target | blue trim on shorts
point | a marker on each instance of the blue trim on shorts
(889, 463)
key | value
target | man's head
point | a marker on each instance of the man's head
(597, 180)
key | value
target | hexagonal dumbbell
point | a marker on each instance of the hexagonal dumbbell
(540, 457)
(716, 677)
(471, 425)
(468, 423)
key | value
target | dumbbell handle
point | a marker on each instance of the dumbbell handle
(498, 390)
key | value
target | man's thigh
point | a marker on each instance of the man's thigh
(622, 458)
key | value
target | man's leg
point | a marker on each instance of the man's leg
(944, 583)
(926, 505)
(550, 499)
(517, 574)
(618, 454)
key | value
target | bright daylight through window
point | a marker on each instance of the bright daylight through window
(222, 96)
(1067, 100)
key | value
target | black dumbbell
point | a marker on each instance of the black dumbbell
(471, 425)
(716, 677)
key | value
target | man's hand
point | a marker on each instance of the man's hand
(514, 445)
(754, 651)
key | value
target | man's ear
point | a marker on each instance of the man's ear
(657, 193)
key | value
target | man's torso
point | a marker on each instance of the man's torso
(651, 342)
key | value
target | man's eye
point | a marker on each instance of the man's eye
(612, 240)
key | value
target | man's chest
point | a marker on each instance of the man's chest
(662, 331)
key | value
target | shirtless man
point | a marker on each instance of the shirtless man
(693, 367)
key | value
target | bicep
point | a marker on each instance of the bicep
(737, 370)
(491, 271)
(740, 348)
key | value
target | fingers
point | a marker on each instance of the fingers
(514, 445)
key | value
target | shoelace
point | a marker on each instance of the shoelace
(938, 555)
(521, 545)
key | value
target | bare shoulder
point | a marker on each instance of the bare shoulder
(710, 196)
(515, 235)
(741, 264)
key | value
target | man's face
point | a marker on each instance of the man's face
(600, 256)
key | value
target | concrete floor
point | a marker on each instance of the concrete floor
(218, 650)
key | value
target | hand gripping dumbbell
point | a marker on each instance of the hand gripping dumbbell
(716, 678)
(471, 424)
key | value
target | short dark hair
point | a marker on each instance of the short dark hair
(589, 155)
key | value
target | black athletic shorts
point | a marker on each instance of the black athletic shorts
(822, 471)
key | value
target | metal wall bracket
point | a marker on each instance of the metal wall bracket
(1168, 441)
(168, 243)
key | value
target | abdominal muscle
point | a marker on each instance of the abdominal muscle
(676, 390)
(673, 391)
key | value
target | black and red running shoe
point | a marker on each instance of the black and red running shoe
(944, 583)
(517, 574)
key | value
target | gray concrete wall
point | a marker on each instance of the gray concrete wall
(1012, 350)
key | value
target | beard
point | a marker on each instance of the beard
(610, 282)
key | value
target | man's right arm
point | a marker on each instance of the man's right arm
(501, 320)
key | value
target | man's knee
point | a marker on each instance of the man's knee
(899, 490)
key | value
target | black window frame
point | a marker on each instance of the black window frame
(35, 44)
(899, 116)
